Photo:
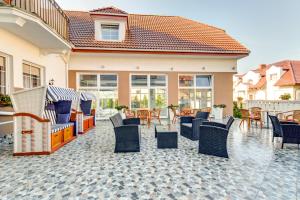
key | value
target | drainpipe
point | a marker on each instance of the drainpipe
(66, 58)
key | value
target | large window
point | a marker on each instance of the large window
(195, 91)
(110, 31)
(105, 88)
(149, 91)
(2, 75)
(31, 75)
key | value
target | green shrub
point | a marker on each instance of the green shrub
(5, 100)
(236, 110)
(285, 96)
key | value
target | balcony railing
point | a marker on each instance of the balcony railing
(48, 10)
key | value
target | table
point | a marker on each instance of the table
(269, 111)
(167, 136)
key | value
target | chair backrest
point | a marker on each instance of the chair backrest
(245, 113)
(276, 125)
(202, 115)
(256, 111)
(143, 114)
(229, 122)
(49, 113)
(116, 120)
(296, 115)
(129, 113)
(155, 112)
(207, 109)
(86, 107)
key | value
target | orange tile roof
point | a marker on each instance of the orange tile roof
(292, 74)
(260, 84)
(156, 33)
(109, 10)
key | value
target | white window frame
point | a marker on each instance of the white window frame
(8, 79)
(195, 87)
(112, 24)
(148, 86)
(42, 72)
(98, 87)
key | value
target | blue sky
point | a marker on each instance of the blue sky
(269, 28)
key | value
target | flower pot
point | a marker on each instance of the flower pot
(218, 113)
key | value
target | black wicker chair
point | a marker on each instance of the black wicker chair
(127, 133)
(289, 131)
(276, 125)
(220, 125)
(189, 126)
(213, 141)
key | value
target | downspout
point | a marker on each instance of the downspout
(66, 58)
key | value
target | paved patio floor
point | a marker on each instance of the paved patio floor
(87, 168)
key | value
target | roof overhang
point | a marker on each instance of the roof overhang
(159, 52)
(31, 28)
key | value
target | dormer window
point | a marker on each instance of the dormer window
(110, 32)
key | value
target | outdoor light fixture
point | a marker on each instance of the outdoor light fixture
(233, 68)
(137, 67)
(51, 82)
(203, 68)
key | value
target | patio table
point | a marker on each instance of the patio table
(167, 136)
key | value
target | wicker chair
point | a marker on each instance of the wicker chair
(295, 116)
(291, 134)
(217, 124)
(129, 113)
(155, 114)
(144, 116)
(189, 126)
(245, 117)
(277, 128)
(213, 141)
(127, 133)
(256, 115)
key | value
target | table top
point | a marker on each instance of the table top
(166, 128)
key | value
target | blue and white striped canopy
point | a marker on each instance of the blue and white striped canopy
(56, 94)
(85, 96)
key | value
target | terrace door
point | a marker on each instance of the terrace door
(149, 91)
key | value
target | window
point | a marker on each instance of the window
(3, 75)
(31, 76)
(195, 91)
(105, 88)
(110, 31)
(149, 91)
(273, 77)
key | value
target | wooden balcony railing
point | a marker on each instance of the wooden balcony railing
(48, 10)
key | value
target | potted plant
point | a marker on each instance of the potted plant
(5, 103)
(121, 110)
(218, 110)
(285, 96)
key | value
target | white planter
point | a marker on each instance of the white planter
(218, 113)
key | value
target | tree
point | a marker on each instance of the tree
(160, 101)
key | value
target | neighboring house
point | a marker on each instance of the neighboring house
(148, 61)
(143, 61)
(269, 82)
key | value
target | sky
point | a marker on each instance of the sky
(269, 28)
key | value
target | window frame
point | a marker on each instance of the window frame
(149, 87)
(7, 73)
(195, 87)
(42, 73)
(109, 24)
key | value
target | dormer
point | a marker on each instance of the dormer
(110, 24)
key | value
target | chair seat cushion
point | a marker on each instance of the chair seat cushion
(189, 125)
(59, 127)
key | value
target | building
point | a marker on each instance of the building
(147, 61)
(269, 82)
(143, 61)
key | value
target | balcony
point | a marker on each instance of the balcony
(41, 22)
(48, 10)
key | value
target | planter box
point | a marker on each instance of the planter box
(218, 113)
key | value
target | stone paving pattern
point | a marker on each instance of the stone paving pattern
(87, 168)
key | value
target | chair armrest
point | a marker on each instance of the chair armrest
(216, 124)
(133, 121)
(186, 119)
(291, 131)
(196, 123)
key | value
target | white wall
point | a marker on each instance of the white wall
(20, 50)
(250, 75)
(130, 62)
